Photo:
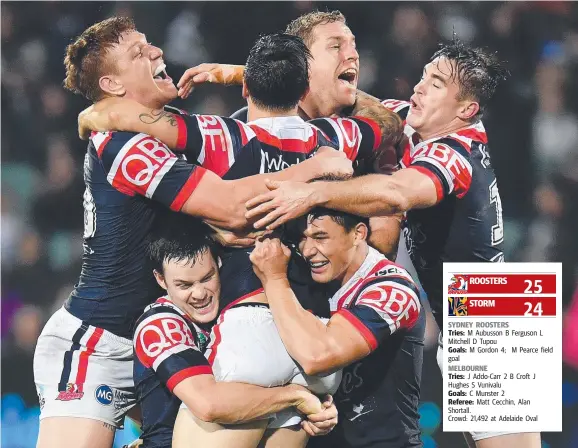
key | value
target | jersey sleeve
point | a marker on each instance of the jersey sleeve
(447, 163)
(400, 107)
(385, 304)
(164, 342)
(138, 164)
(213, 142)
(357, 137)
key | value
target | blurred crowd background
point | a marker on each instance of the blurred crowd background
(532, 126)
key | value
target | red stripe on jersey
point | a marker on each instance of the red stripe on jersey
(286, 144)
(101, 147)
(474, 134)
(376, 268)
(83, 359)
(359, 326)
(437, 182)
(244, 139)
(187, 373)
(216, 328)
(376, 131)
(187, 189)
(182, 132)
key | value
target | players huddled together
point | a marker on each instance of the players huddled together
(239, 285)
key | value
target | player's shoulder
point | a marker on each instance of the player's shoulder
(387, 276)
(112, 142)
(400, 107)
(157, 312)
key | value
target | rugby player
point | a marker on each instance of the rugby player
(375, 333)
(171, 336)
(447, 185)
(333, 78)
(275, 80)
(131, 182)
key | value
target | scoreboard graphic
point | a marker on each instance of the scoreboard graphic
(502, 347)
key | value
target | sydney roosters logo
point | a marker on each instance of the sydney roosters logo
(458, 284)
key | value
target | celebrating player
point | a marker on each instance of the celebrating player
(333, 77)
(275, 80)
(84, 357)
(375, 333)
(170, 338)
(448, 186)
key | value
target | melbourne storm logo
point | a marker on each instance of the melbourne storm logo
(457, 306)
(458, 284)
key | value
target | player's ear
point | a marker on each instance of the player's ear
(110, 85)
(245, 91)
(160, 279)
(360, 233)
(468, 109)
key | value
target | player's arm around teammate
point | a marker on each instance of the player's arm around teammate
(321, 348)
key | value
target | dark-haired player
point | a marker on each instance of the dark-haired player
(375, 332)
(83, 359)
(447, 187)
(169, 340)
(276, 78)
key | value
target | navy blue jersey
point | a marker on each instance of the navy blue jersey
(379, 395)
(132, 180)
(466, 223)
(283, 141)
(239, 282)
(168, 349)
(286, 141)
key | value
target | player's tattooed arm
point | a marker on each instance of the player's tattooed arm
(121, 114)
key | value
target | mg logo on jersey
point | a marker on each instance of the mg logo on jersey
(458, 284)
(103, 395)
(457, 306)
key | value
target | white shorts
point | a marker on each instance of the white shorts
(246, 347)
(83, 371)
(475, 435)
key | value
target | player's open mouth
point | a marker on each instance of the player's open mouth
(203, 306)
(414, 105)
(317, 266)
(160, 74)
(349, 76)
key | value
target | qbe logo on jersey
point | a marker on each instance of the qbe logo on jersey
(502, 347)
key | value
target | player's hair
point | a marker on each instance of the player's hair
(85, 59)
(477, 72)
(292, 231)
(179, 237)
(304, 26)
(277, 71)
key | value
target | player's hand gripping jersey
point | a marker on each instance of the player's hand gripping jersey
(169, 348)
(466, 223)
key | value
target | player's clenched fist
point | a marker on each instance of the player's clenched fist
(225, 74)
(270, 259)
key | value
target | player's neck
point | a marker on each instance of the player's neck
(455, 126)
(255, 113)
(358, 259)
